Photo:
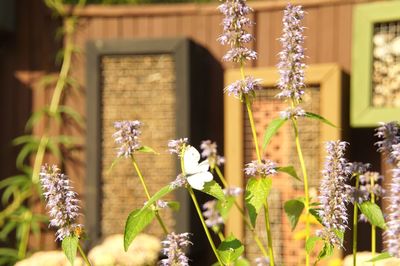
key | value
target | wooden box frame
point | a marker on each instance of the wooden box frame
(327, 76)
(363, 114)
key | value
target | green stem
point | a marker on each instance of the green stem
(221, 236)
(87, 262)
(355, 225)
(253, 128)
(269, 235)
(27, 217)
(305, 180)
(196, 204)
(373, 227)
(248, 224)
(139, 173)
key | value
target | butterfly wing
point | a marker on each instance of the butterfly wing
(197, 181)
(191, 159)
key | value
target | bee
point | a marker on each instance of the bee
(78, 231)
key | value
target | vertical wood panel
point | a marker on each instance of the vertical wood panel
(343, 36)
(326, 30)
(129, 27)
(111, 28)
(158, 26)
(262, 36)
(311, 33)
(273, 45)
(170, 26)
(143, 24)
(96, 27)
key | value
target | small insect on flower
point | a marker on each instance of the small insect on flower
(127, 137)
(197, 174)
(177, 145)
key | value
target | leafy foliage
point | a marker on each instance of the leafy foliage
(136, 222)
(257, 191)
(293, 210)
(230, 250)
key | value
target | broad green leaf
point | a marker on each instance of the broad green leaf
(373, 214)
(315, 213)
(136, 222)
(257, 191)
(214, 189)
(224, 206)
(146, 149)
(327, 250)
(174, 205)
(230, 250)
(70, 246)
(288, 170)
(272, 128)
(320, 118)
(310, 244)
(293, 210)
(161, 193)
(242, 262)
(382, 256)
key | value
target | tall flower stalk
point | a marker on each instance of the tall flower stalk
(291, 82)
(236, 37)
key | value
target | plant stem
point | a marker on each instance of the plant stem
(27, 217)
(160, 221)
(373, 227)
(248, 224)
(84, 255)
(305, 180)
(221, 236)
(196, 204)
(355, 225)
(255, 139)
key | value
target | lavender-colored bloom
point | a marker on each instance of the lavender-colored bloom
(234, 32)
(392, 233)
(209, 151)
(262, 261)
(233, 191)
(333, 191)
(174, 248)
(365, 182)
(212, 215)
(61, 201)
(180, 181)
(291, 112)
(265, 168)
(291, 66)
(176, 145)
(127, 137)
(359, 168)
(389, 135)
(248, 86)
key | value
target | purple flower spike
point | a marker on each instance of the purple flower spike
(234, 32)
(61, 201)
(174, 248)
(247, 86)
(127, 137)
(209, 151)
(291, 66)
(176, 145)
(333, 192)
(212, 215)
(389, 135)
(265, 168)
(392, 233)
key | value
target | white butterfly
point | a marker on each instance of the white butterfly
(196, 173)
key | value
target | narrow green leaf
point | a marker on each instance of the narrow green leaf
(320, 118)
(373, 214)
(136, 222)
(70, 246)
(24, 139)
(174, 205)
(25, 151)
(35, 118)
(161, 193)
(9, 252)
(146, 149)
(214, 189)
(288, 170)
(257, 191)
(327, 250)
(293, 210)
(310, 244)
(272, 128)
(382, 256)
(70, 112)
(230, 250)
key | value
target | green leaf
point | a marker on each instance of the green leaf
(272, 128)
(70, 112)
(382, 256)
(174, 205)
(136, 222)
(288, 170)
(161, 193)
(224, 206)
(230, 250)
(35, 118)
(25, 151)
(327, 250)
(70, 246)
(9, 252)
(310, 244)
(214, 189)
(315, 213)
(320, 118)
(373, 214)
(242, 262)
(146, 149)
(293, 210)
(257, 191)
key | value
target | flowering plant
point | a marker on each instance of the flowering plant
(329, 209)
